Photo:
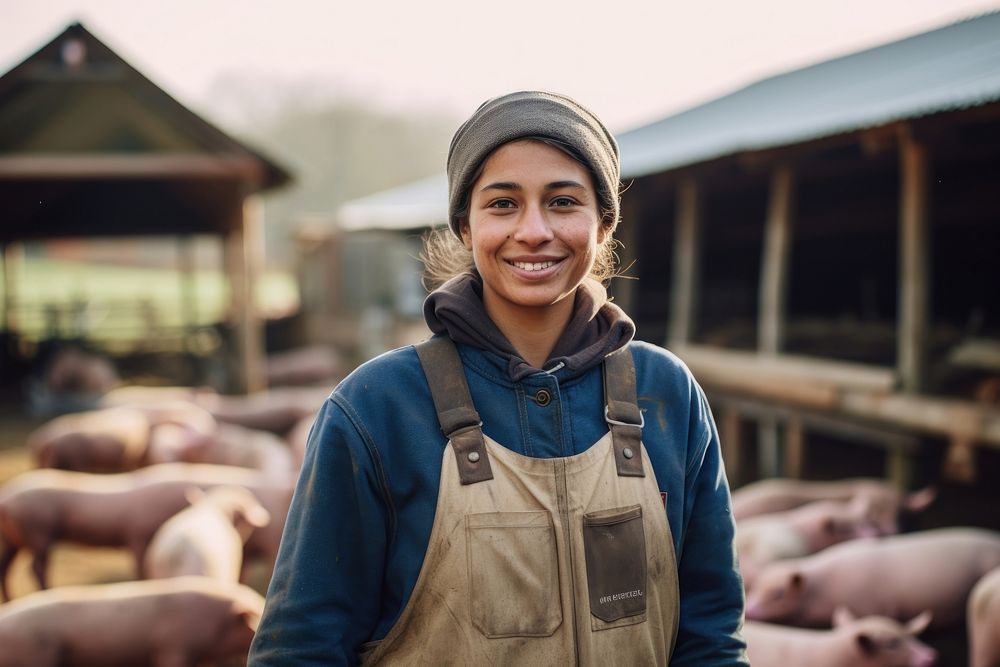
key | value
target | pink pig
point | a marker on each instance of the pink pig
(799, 532)
(885, 577)
(40, 508)
(777, 495)
(178, 622)
(983, 619)
(206, 538)
(872, 641)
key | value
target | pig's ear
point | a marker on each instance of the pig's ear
(920, 500)
(796, 581)
(866, 644)
(246, 614)
(194, 494)
(842, 616)
(256, 516)
(919, 623)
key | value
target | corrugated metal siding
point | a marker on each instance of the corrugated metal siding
(950, 68)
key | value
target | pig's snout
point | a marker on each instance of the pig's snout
(924, 656)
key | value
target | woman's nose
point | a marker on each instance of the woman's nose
(533, 226)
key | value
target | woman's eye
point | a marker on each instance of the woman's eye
(563, 201)
(502, 203)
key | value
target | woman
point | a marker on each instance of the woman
(528, 486)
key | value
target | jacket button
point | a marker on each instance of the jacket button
(543, 397)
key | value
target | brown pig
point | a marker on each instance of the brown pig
(246, 448)
(886, 577)
(111, 440)
(778, 494)
(800, 532)
(983, 621)
(206, 538)
(179, 622)
(873, 641)
(40, 508)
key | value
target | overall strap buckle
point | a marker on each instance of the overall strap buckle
(459, 420)
(622, 413)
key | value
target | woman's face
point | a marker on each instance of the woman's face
(533, 230)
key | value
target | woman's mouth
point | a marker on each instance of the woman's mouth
(533, 266)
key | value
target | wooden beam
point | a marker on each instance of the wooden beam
(188, 288)
(914, 264)
(131, 167)
(774, 263)
(731, 442)
(243, 258)
(687, 263)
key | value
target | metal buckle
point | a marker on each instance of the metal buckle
(642, 419)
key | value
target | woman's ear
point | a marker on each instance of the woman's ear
(466, 232)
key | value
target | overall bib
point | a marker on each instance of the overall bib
(539, 561)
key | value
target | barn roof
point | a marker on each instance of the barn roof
(953, 67)
(82, 129)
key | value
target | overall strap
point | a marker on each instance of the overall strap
(459, 420)
(622, 412)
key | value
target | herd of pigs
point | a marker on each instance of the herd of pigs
(196, 486)
(193, 484)
(831, 581)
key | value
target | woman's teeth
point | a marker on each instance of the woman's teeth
(533, 266)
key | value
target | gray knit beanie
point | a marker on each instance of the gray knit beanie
(532, 114)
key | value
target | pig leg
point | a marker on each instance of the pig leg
(40, 565)
(7, 553)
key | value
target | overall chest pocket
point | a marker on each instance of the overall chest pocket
(513, 574)
(614, 543)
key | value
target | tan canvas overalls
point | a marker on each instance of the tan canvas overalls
(539, 561)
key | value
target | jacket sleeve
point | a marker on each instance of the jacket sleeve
(323, 599)
(711, 588)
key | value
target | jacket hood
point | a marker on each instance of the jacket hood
(596, 328)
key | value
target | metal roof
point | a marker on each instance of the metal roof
(420, 204)
(949, 68)
(953, 67)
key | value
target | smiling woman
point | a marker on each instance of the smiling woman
(495, 495)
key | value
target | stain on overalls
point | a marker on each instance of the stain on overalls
(539, 561)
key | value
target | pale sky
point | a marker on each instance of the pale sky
(631, 61)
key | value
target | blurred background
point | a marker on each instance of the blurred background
(229, 198)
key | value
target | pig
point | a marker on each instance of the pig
(179, 622)
(243, 447)
(897, 576)
(303, 366)
(800, 532)
(276, 410)
(983, 621)
(777, 495)
(40, 508)
(298, 437)
(112, 440)
(873, 641)
(206, 538)
(120, 439)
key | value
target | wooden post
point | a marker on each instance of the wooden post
(768, 448)
(774, 263)
(188, 290)
(730, 439)
(914, 265)
(13, 256)
(687, 254)
(244, 259)
(794, 448)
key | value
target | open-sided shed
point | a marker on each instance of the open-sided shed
(821, 248)
(89, 147)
